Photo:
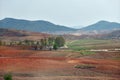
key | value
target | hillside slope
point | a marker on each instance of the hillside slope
(8, 32)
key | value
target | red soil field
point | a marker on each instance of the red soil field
(22, 61)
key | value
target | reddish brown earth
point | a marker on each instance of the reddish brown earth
(42, 65)
(12, 34)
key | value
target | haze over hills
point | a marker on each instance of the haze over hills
(35, 26)
(77, 27)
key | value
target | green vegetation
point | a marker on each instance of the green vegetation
(76, 48)
(59, 41)
(8, 76)
(84, 52)
(51, 41)
(47, 43)
(84, 66)
(87, 44)
(0, 42)
(55, 46)
(117, 58)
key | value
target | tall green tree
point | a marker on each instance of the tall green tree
(59, 41)
(51, 41)
(44, 42)
(20, 43)
(28, 42)
(55, 46)
(0, 43)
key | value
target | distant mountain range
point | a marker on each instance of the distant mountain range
(102, 26)
(34, 26)
(45, 26)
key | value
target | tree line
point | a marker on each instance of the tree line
(49, 43)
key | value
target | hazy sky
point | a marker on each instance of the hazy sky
(64, 12)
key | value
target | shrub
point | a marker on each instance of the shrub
(8, 76)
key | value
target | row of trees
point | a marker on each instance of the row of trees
(42, 44)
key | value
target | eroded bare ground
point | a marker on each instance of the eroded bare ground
(56, 65)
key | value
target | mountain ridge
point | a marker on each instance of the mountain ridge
(48, 27)
(102, 25)
(35, 26)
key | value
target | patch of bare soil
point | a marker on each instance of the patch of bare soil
(12, 52)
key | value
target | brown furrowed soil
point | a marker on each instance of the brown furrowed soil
(54, 65)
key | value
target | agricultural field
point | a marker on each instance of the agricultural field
(77, 62)
(94, 44)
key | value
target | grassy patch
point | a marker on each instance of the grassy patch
(87, 44)
(77, 48)
(84, 44)
(117, 58)
(84, 52)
